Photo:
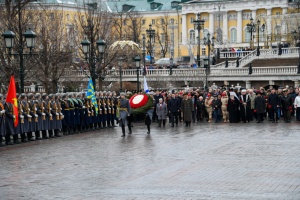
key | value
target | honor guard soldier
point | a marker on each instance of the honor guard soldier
(65, 108)
(80, 113)
(124, 112)
(99, 118)
(41, 115)
(59, 113)
(34, 120)
(26, 116)
(72, 114)
(19, 129)
(54, 114)
(2, 121)
(76, 113)
(46, 116)
(10, 131)
(104, 111)
(50, 116)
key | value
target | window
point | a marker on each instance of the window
(205, 32)
(192, 19)
(192, 36)
(162, 38)
(52, 16)
(203, 51)
(172, 21)
(180, 36)
(233, 35)
(277, 31)
(152, 21)
(143, 22)
(162, 21)
(247, 35)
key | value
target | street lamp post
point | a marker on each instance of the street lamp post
(151, 34)
(93, 59)
(120, 63)
(171, 65)
(209, 42)
(144, 55)
(298, 45)
(30, 42)
(137, 60)
(198, 25)
(251, 27)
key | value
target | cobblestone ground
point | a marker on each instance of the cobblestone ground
(205, 161)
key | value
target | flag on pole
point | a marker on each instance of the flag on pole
(12, 98)
(146, 90)
(91, 94)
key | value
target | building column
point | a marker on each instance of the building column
(225, 27)
(269, 21)
(211, 23)
(184, 31)
(248, 84)
(239, 27)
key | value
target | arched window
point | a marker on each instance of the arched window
(192, 36)
(247, 35)
(233, 35)
(205, 32)
(277, 31)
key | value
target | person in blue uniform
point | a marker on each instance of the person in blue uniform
(2, 121)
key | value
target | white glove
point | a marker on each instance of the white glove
(128, 115)
(21, 116)
(35, 109)
(36, 115)
(29, 116)
(62, 116)
(89, 112)
(44, 114)
(57, 113)
(50, 115)
(14, 116)
(43, 108)
(50, 108)
(21, 110)
(2, 112)
(28, 109)
(83, 106)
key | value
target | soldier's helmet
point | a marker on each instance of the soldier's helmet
(44, 96)
(23, 95)
(51, 96)
(64, 95)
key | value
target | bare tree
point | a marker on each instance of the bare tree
(162, 33)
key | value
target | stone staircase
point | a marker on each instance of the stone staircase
(264, 58)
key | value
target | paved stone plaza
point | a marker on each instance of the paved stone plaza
(206, 161)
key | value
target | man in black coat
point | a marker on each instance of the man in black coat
(286, 105)
(259, 106)
(173, 108)
(273, 104)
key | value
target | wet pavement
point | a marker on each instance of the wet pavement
(205, 161)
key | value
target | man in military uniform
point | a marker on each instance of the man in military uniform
(41, 115)
(57, 101)
(10, 131)
(34, 118)
(72, 118)
(2, 121)
(19, 129)
(125, 111)
(80, 106)
(65, 108)
(45, 116)
(25, 112)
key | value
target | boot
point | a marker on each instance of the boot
(23, 138)
(123, 131)
(164, 123)
(8, 140)
(16, 139)
(51, 135)
(1, 142)
(56, 134)
(159, 123)
(148, 128)
(129, 128)
(38, 135)
(44, 134)
(209, 120)
(186, 124)
(30, 136)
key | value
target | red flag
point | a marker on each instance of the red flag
(12, 98)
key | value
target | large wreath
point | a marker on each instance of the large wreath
(140, 103)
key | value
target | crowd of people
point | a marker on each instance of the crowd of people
(43, 116)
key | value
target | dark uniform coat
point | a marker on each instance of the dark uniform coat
(187, 108)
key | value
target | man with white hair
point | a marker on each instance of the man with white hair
(245, 106)
(252, 97)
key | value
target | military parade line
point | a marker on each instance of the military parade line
(30, 117)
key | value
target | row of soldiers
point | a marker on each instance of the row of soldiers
(43, 116)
